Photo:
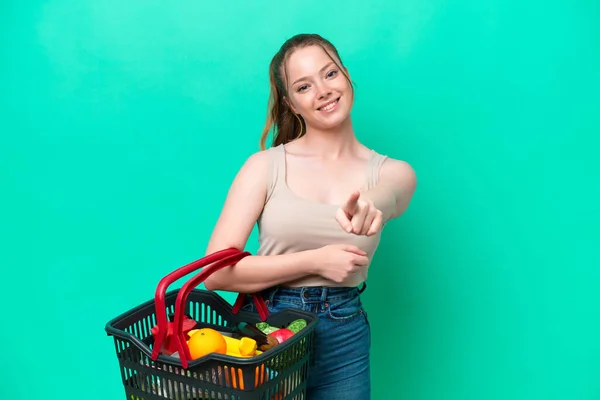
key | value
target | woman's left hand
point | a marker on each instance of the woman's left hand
(359, 215)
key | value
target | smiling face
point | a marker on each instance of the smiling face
(317, 88)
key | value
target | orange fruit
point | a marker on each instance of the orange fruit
(205, 341)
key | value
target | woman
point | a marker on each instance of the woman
(320, 199)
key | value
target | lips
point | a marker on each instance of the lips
(329, 106)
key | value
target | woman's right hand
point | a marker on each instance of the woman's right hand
(337, 262)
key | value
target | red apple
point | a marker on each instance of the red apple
(282, 334)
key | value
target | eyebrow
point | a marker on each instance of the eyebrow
(322, 69)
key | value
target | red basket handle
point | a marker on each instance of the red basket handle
(258, 301)
(179, 336)
(223, 258)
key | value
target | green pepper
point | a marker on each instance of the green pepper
(297, 325)
(266, 328)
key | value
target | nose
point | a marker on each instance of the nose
(323, 91)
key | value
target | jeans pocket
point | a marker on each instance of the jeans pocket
(345, 310)
(281, 304)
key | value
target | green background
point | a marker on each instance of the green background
(123, 124)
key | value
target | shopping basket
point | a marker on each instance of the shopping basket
(148, 373)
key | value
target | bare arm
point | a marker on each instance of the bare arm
(393, 193)
(364, 213)
(242, 207)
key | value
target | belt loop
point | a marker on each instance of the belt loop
(272, 294)
(324, 294)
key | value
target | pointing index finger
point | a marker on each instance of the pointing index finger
(350, 205)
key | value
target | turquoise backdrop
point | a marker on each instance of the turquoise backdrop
(124, 122)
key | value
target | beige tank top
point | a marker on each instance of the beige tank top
(290, 224)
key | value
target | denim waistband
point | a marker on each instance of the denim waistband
(310, 294)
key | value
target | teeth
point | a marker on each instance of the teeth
(329, 106)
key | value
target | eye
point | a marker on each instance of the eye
(301, 88)
(332, 73)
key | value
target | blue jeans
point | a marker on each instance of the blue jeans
(342, 339)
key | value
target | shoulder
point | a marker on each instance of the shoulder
(254, 166)
(398, 173)
(259, 160)
(259, 166)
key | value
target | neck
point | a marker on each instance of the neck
(332, 143)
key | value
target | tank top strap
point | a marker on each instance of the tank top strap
(374, 166)
(276, 169)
